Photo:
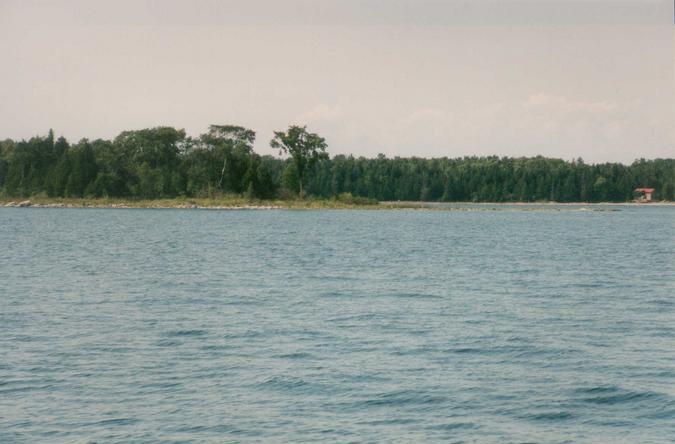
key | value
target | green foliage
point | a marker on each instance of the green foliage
(163, 162)
(229, 147)
(82, 170)
(347, 198)
(305, 149)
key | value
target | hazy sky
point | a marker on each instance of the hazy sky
(563, 78)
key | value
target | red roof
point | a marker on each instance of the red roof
(645, 190)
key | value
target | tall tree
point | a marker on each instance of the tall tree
(305, 148)
(232, 145)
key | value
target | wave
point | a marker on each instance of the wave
(611, 395)
(185, 333)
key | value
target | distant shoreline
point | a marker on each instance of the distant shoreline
(549, 203)
(309, 204)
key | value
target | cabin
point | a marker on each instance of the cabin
(644, 194)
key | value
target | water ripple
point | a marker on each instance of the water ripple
(337, 326)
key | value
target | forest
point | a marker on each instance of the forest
(164, 162)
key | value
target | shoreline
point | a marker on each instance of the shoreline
(180, 203)
(542, 204)
(328, 204)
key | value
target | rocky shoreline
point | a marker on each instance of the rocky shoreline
(28, 203)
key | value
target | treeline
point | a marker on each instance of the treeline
(164, 162)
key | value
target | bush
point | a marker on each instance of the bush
(347, 198)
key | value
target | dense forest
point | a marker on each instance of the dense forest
(165, 162)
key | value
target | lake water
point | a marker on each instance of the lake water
(348, 326)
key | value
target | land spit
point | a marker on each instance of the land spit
(27, 203)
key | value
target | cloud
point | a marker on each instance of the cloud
(537, 123)
(321, 113)
(560, 104)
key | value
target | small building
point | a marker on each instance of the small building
(644, 194)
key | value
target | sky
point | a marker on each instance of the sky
(432, 78)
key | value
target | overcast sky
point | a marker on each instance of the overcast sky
(562, 78)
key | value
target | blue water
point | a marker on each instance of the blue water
(347, 326)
